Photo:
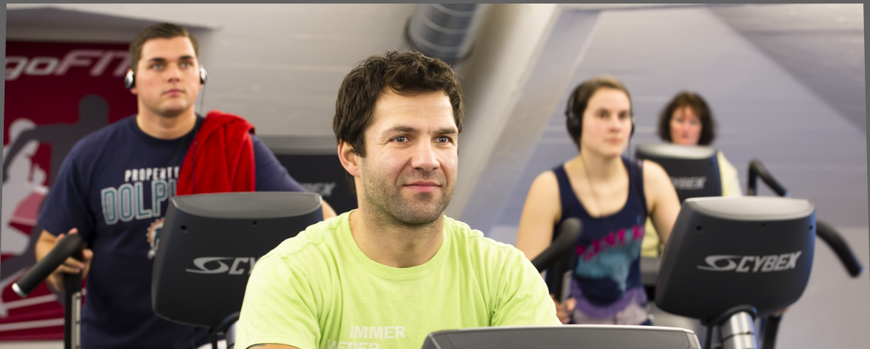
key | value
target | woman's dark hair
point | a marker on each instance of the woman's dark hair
(579, 99)
(403, 72)
(699, 106)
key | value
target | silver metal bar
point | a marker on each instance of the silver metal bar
(739, 332)
(76, 324)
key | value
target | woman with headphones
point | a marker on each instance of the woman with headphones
(612, 196)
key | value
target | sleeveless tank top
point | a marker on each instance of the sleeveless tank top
(606, 276)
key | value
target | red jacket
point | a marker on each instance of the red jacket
(221, 158)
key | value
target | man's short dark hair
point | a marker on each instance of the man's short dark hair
(159, 30)
(404, 73)
(699, 106)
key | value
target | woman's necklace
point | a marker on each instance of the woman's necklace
(607, 223)
(592, 190)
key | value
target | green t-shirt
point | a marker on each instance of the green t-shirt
(319, 290)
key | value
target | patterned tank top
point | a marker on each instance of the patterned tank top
(606, 280)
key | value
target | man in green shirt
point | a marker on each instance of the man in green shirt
(396, 269)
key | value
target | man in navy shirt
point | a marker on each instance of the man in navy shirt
(116, 182)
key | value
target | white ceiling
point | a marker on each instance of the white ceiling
(821, 45)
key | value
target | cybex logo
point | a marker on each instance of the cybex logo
(753, 264)
(688, 183)
(215, 265)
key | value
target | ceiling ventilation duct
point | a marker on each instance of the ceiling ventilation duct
(444, 31)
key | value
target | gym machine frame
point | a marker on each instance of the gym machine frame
(69, 246)
(824, 231)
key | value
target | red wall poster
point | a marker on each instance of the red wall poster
(56, 93)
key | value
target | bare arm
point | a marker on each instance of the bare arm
(662, 200)
(328, 212)
(540, 212)
(46, 242)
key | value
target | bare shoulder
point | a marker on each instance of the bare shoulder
(545, 183)
(540, 211)
(656, 183)
(653, 172)
(543, 197)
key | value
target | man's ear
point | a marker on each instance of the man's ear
(350, 160)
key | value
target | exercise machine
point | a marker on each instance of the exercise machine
(564, 337)
(694, 170)
(733, 259)
(209, 245)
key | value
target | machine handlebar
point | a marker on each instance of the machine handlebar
(824, 231)
(69, 246)
(558, 252)
(830, 236)
(756, 170)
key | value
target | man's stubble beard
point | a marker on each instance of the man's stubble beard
(388, 203)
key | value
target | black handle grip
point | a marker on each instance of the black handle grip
(569, 232)
(830, 236)
(757, 170)
(69, 246)
(558, 254)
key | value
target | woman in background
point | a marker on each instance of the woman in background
(687, 120)
(612, 196)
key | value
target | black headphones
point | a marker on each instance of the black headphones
(130, 79)
(575, 123)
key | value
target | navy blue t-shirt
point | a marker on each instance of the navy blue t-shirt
(113, 184)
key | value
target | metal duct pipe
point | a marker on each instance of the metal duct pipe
(444, 31)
